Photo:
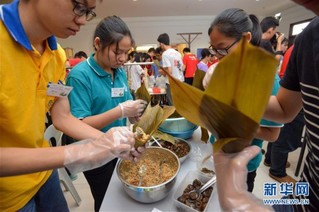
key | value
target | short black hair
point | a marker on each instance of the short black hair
(158, 50)
(151, 50)
(163, 38)
(132, 54)
(205, 53)
(186, 49)
(269, 22)
(80, 54)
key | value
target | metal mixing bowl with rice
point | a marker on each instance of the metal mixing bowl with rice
(162, 167)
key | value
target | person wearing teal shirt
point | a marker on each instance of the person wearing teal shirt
(101, 96)
(255, 162)
(93, 86)
(225, 32)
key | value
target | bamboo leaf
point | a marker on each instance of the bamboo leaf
(205, 136)
(235, 99)
(244, 80)
(142, 93)
(153, 117)
(164, 136)
(198, 79)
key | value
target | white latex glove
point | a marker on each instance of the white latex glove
(132, 108)
(137, 153)
(135, 119)
(231, 175)
(89, 154)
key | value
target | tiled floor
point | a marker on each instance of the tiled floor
(83, 189)
(87, 204)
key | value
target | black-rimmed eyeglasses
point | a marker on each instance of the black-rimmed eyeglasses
(81, 9)
(223, 52)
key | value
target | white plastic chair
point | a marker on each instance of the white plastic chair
(50, 133)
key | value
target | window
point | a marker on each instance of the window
(296, 28)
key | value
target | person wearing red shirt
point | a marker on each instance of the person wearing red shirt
(212, 60)
(78, 57)
(285, 61)
(190, 65)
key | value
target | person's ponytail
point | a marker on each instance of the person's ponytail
(256, 32)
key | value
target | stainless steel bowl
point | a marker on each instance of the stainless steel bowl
(177, 140)
(182, 159)
(152, 193)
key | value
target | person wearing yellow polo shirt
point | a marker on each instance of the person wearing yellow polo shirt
(32, 70)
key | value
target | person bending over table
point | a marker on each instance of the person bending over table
(101, 95)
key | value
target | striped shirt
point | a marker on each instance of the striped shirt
(302, 75)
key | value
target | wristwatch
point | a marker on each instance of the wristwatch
(279, 53)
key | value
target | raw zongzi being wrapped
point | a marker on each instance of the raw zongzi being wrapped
(149, 122)
(140, 137)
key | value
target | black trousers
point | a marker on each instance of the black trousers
(169, 95)
(289, 140)
(251, 180)
(189, 80)
(99, 180)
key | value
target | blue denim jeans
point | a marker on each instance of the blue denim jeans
(289, 140)
(49, 198)
(283, 208)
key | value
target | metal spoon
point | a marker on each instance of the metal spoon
(141, 172)
(204, 187)
(161, 163)
(156, 141)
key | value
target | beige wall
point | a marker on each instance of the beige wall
(145, 30)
